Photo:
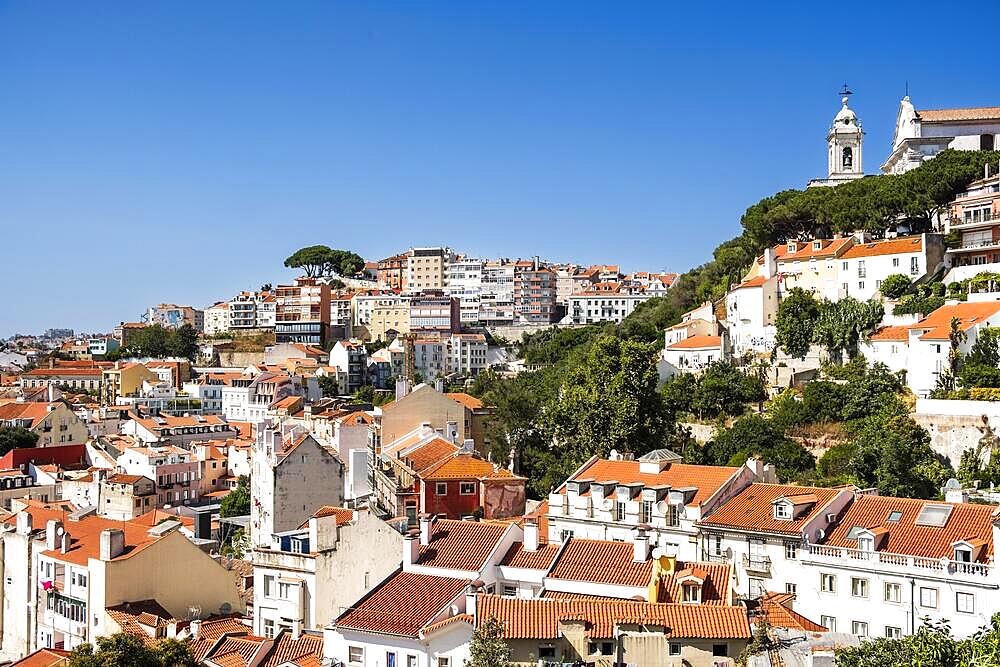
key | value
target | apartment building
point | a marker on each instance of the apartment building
(975, 217)
(392, 272)
(752, 310)
(351, 357)
(449, 413)
(302, 312)
(605, 302)
(426, 268)
(124, 379)
(176, 472)
(99, 346)
(389, 318)
(173, 316)
(464, 281)
(535, 294)
(341, 317)
(65, 570)
(435, 312)
(365, 301)
(52, 421)
(86, 378)
(250, 397)
(252, 311)
(496, 298)
(178, 429)
(124, 497)
(217, 319)
(305, 577)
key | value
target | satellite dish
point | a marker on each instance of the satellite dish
(729, 553)
(820, 534)
(226, 608)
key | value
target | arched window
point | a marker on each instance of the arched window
(848, 161)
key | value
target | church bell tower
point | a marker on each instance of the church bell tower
(844, 142)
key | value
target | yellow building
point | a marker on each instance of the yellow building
(810, 265)
(124, 379)
(389, 317)
(54, 422)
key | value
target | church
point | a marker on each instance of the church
(843, 148)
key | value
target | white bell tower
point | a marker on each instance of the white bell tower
(844, 142)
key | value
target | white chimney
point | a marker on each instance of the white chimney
(470, 599)
(112, 543)
(425, 529)
(25, 524)
(530, 535)
(52, 530)
(770, 263)
(195, 628)
(411, 549)
(640, 547)
(958, 495)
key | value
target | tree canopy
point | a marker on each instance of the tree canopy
(16, 437)
(932, 645)
(237, 503)
(125, 650)
(321, 260)
(487, 648)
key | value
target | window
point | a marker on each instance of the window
(914, 266)
(861, 284)
(791, 550)
(965, 603)
(411, 661)
(892, 632)
(866, 543)
(355, 654)
(929, 597)
(720, 650)
(390, 659)
(893, 592)
(674, 515)
(509, 590)
(546, 651)
(843, 266)
(828, 622)
(675, 648)
(791, 588)
(268, 585)
(646, 511)
(782, 511)
(859, 587)
(691, 592)
(268, 628)
(467, 488)
(441, 488)
(894, 516)
(828, 583)
(284, 590)
(859, 628)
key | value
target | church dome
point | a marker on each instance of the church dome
(845, 116)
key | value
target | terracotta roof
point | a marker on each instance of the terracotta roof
(899, 333)
(602, 562)
(707, 479)
(908, 244)
(471, 402)
(286, 649)
(122, 478)
(697, 343)
(773, 608)
(131, 617)
(540, 559)
(938, 323)
(715, 578)
(429, 453)
(457, 618)
(966, 522)
(752, 282)
(157, 516)
(461, 545)
(44, 657)
(403, 604)
(36, 412)
(539, 618)
(955, 115)
(342, 514)
(464, 465)
(830, 248)
(753, 508)
(236, 651)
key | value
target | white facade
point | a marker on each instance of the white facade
(920, 135)
(496, 298)
(844, 142)
(693, 354)
(611, 306)
(929, 341)
(751, 314)
(864, 267)
(464, 280)
(217, 319)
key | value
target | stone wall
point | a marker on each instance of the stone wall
(955, 426)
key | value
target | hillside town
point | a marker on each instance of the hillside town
(336, 471)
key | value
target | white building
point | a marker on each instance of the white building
(752, 311)
(607, 302)
(249, 397)
(929, 340)
(351, 357)
(890, 346)
(610, 499)
(844, 141)
(920, 135)
(692, 354)
(865, 266)
(217, 319)
(464, 280)
(496, 298)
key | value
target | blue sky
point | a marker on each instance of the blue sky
(178, 151)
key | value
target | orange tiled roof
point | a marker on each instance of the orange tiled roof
(540, 559)
(753, 282)
(753, 509)
(45, 372)
(343, 515)
(602, 562)
(829, 248)
(954, 115)
(471, 402)
(44, 657)
(696, 343)
(539, 619)
(464, 465)
(457, 618)
(429, 453)
(286, 649)
(707, 479)
(907, 244)
(715, 578)
(938, 323)
(403, 604)
(36, 412)
(966, 522)
(131, 617)
(772, 606)
(891, 333)
(460, 545)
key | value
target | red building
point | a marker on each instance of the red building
(461, 485)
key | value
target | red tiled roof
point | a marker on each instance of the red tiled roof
(966, 522)
(45, 372)
(457, 618)
(901, 333)
(955, 115)
(429, 453)
(540, 559)
(772, 607)
(36, 412)
(805, 250)
(286, 649)
(753, 508)
(905, 245)
(697, 343)
(464, 465)
(461, 545)
(539, 618)
(752, 282)
(471, 402)
(602, 562)
(715, 578)
(342, 514)
(968, 314)
(707, 479)
(44, 657)
(132, 616)
(403, 604)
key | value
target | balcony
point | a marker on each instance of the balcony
(757, 564)
(975, 222)
(903, 565)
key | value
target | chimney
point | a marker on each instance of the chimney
(426, 520)
(530, 535)
(51, 390)
(470, 597)
(195, 627)
(439, 385)
(25, 523)
(112, 543)
(451, 431)
(411, 549)
(52, 534)
(296, 629)
(640, 547)
(956, 495)
(402, 388)
(64, 542)
(770, 264)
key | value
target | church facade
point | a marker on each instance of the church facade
(922, 134)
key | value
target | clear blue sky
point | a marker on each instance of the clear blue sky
(178, 151)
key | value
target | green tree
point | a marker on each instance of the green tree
(841, 324)
(893, 454)
(753, 436)
(822, 401)
(126, 650)
(797, 316)
(16, 437)
(182, 342)
(932, 645)
(487, 648)
(313, 259)
(237, 503)
(344, 263)
(328, 385)
(723, 389)
(266, 287)
(980, 366)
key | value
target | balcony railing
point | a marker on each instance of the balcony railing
(760, 564)
(908, 563)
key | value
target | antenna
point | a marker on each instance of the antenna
(906, 88)
(846, 91)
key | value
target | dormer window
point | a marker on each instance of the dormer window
(866, 543)
(792, 246)
(963, 554)
(783, 511)
(691, 593)
(817, 245)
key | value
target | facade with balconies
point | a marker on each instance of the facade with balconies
(975, 220)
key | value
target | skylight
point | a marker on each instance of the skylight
(934, 515)
(852, 534)
(894, 516)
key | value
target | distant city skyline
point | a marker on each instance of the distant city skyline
(179, 153)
